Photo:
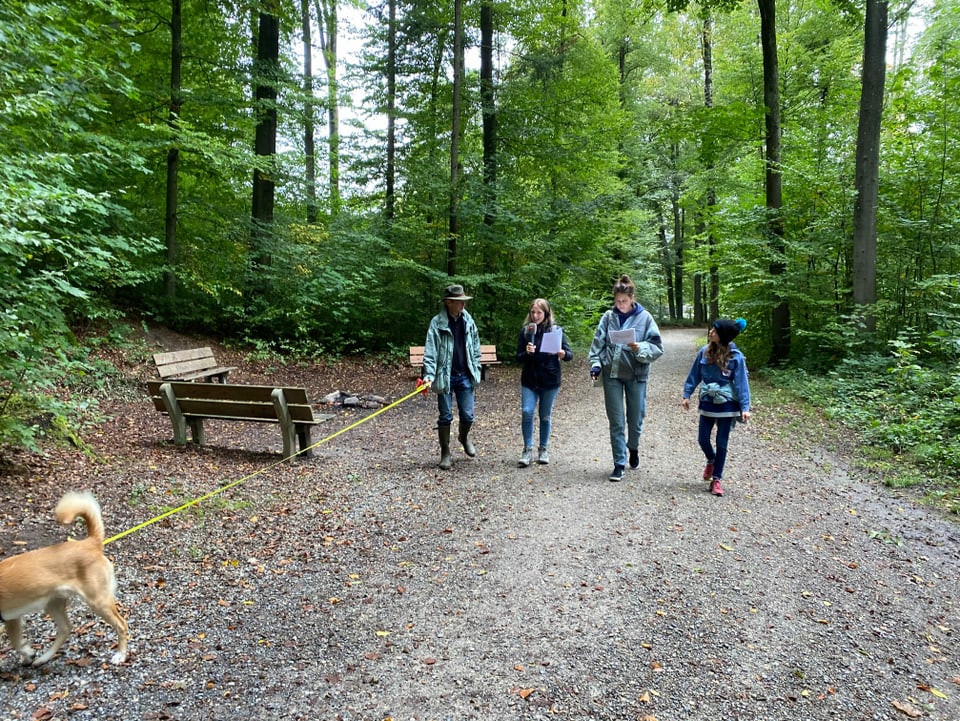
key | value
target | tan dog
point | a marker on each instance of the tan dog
(46, 579)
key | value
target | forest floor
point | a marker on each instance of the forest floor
(363, 583)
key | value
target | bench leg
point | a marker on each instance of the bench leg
(196, 431)
(176, 417)
(287, 428)
(483, 372)
(303, 439)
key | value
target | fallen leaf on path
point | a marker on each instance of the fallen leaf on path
(905, 708)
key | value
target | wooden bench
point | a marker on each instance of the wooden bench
(189, 365)
(488, 357)
(189, 404)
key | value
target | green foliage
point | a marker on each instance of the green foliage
(48, 396)
(66, 246)
(900, 403)
(319, 294)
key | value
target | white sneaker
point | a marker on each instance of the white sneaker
(543, 456)
(526, 458)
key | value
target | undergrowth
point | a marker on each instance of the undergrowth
(904, 415)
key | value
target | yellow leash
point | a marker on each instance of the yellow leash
(230, 485)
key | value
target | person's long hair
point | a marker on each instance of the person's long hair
(718, 352)
(543, 305)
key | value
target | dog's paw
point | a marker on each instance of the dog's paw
(40, 660)
(27, 655)
(118, 658)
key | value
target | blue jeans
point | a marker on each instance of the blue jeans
(528, 405)
(615, 392)
(719, 456)
(462, 388)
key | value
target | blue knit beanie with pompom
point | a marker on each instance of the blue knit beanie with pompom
(727, 329)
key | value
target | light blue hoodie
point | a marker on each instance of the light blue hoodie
(622, 362)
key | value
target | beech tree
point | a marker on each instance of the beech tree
(173, 154)
(266, 73)
(328, 23)
(868, 161)
(309, 141)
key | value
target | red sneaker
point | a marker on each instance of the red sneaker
(708, 471)
(715, 487)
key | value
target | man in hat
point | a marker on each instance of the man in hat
(451, 367)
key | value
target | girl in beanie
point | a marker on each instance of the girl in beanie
(720, 369)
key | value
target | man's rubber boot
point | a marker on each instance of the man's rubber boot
(468, 446)
(445, 460)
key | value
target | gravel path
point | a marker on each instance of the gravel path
(366, 584)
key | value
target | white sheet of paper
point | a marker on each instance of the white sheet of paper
(551, 341)
(622, 337)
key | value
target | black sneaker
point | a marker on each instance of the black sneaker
(617, 474)
(634, 458)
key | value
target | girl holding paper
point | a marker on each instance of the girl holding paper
(540, 348)
(626, 342)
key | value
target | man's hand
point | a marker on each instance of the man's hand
(421, 383)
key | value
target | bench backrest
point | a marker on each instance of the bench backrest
(231, 401)
(182, 362)
(488, 354)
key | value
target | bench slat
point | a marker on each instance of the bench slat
(179, 356)
(229, 391)
(488, 355)
(208, 408)
(203, 373)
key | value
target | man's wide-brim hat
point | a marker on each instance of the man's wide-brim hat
(455, 292)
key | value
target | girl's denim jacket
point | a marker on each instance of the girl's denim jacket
(730, 383)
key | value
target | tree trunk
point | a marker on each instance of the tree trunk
(707, 291)
(265, 72)
(173, 154)
(458, 69)
(328, 20)
(310, 158)
(780, 320)
(489, 111)
(678, 236)
(391, 168)
(868, 161)
(668, 275)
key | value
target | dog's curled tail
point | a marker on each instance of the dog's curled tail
(74, 505)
